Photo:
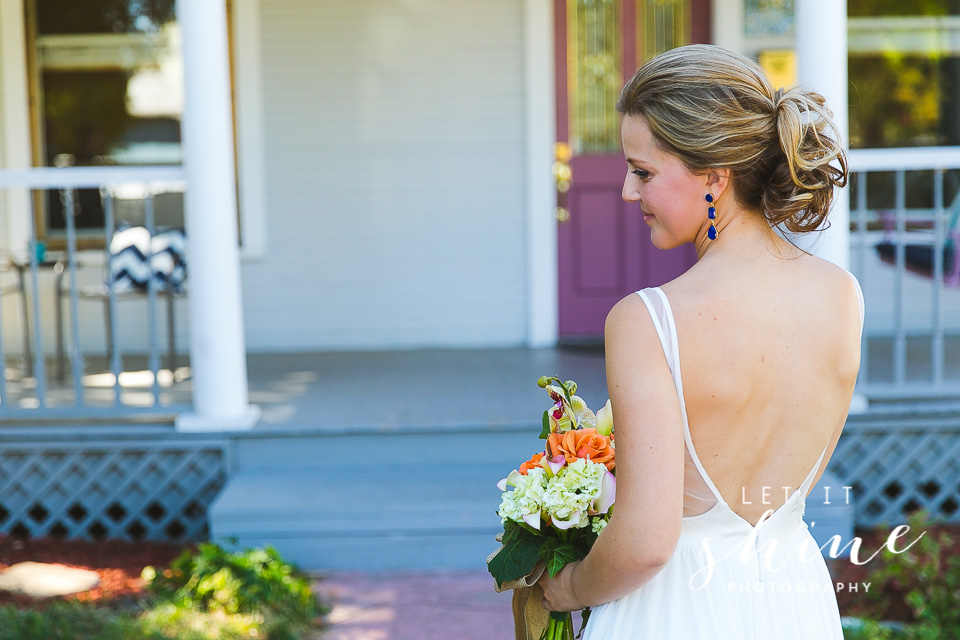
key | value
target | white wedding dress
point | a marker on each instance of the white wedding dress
(726, 580)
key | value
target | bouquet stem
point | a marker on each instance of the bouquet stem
(560, 626)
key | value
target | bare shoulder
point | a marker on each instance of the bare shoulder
(834, 285)
(629, 330)
(627, 315)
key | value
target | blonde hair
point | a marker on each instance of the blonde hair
(713, 108)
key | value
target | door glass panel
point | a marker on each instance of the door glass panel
(594, 75)
(661, 25)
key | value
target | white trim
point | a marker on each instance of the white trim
(249, 109)
(195, 423)
(905, 34)
(728, 25)
(78, 177)
(541, 194)
(16, 151)
(907, 159)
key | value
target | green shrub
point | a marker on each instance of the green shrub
(927, 577)
(254, 581)
(207, 594)
(871, 630)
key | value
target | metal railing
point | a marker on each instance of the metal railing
(51, 399)
(905, 250)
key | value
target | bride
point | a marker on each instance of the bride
(714, 465)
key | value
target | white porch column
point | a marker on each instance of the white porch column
(821, 36)
(541, 190)
(15, 129)
(217, 345)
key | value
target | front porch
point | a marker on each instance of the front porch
(389, 459)
(385, 459)
(398, 390)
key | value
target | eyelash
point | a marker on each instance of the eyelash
(641, 173)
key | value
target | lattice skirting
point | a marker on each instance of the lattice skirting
(899, 463)
(129, 490)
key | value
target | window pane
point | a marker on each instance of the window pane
(109, 90)
(904, 70)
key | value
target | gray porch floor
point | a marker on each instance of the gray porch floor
(462, 388)
(385, 390)
(346, 391)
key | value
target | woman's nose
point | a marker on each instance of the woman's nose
(630, 192)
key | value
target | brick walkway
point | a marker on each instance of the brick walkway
(415, 606)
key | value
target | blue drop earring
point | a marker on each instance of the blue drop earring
(712, 215)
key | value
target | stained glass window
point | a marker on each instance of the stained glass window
(662, 25)
(594, 74)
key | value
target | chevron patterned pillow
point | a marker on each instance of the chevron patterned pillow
(129, 270)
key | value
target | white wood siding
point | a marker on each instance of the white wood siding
(4, 228)
(394, 173)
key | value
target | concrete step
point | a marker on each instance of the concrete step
(379, 501)
(275, 449)
(371, 517)
(829, 513)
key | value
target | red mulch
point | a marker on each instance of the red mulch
(118, 563)
(892, 606)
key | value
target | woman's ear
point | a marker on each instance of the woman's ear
(718, 180)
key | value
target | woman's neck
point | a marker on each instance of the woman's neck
(742, 233)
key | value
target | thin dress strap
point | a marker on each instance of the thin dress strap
(856, 284)
(697, 482)
(805, 485)
(700, 493)
(678, 379)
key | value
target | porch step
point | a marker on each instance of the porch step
(312, 449)
(830, 513)
(365, 517)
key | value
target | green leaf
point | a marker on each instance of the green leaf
(515, 560)
(563, 555)
(511, 531)
(546, 549)
(584, 617)
(545, 432)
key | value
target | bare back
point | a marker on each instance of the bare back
(769, 357)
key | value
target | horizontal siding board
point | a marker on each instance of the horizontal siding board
(394, 160)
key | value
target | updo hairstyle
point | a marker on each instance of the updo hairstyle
(713, 108)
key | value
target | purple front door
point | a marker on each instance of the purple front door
(604, 246)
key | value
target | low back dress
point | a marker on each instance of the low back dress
(727, 579)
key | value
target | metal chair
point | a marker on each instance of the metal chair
(128, 272)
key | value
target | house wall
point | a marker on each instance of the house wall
(4, 237)
(394, 176)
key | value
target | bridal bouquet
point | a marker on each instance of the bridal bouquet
(554, 506)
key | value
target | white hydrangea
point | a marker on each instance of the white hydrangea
(526, 499)
(570, 493)
(598, 525)
(578, 490)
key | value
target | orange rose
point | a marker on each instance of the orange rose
(581, 443)
(530, 464)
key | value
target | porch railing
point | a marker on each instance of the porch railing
(40, 397)
(905, 250)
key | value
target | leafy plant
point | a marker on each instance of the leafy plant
(927, 577)
(255, 581)
(872, 630)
